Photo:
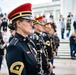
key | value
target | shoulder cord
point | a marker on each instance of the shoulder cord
(32, 51)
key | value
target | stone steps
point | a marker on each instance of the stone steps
(64, 49)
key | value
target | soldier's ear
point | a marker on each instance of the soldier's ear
(18, 23)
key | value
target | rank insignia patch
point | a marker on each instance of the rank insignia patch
(17, 67)
(48, 43)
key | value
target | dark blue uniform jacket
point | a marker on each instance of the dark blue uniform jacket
(20, 57)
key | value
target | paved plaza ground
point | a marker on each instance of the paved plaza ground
(63, 67)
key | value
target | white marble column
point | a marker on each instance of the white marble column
(66, 6)
(74, 8)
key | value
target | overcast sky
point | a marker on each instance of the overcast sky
(8, 5)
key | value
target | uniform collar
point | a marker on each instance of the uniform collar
(37, 33)
(20, 37)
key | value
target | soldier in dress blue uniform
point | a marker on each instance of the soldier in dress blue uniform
(38, 37)
(21, 54)
(49, 42)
